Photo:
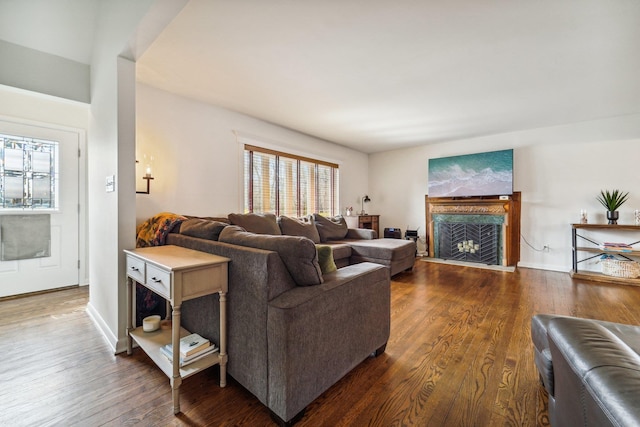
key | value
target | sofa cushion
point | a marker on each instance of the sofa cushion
(298, 254)
(361, 234)
(388, 249)
(224, 219)
(340, 250)
(334, 228)
(297, 227)
(325, 259)
(202, 228)
(256, 223)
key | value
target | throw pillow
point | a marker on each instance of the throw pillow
(296, 227)
(325, 259)
(334, 228)
(256, 223)
(298, 254)
(202, 228)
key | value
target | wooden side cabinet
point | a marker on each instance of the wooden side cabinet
(371, 222)
(177, 274)
(582, 243)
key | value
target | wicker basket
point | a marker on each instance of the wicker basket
(620, 268)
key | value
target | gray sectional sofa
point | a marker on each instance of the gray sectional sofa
(590, 369)
(349, 245)
(296, 323)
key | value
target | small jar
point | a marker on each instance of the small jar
(583, 216)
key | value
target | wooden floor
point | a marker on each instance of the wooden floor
(460, 354)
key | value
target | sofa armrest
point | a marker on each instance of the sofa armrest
(596, 374)
(361, 233)
(255, 277)
(317, 334)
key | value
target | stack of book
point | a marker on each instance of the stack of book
(616, 247)
(192, 347)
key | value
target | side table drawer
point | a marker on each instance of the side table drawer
(159, 281)
(136, 269)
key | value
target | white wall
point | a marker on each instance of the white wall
(559, 171)
(198, 161)
(44, 73)
(111, 152)
(28, 105)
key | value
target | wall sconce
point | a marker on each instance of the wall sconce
(147, 176)
(364, 199)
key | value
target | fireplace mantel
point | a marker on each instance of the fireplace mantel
(509, 208)
(474, 208)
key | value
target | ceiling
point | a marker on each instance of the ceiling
(376, 75)
(379, 74)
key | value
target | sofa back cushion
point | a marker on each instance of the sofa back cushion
(256, 223)
(298, 254)
(334, 228)
(298, 227)
(210, 218)
(202, 228)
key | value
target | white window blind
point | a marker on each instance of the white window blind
(286, 184)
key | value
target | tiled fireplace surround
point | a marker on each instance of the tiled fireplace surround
(482, 229)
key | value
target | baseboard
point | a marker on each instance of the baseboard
(118, 346)
(30, 294)
(535, 266)
(509, 269)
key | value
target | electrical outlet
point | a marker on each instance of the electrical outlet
(545, 248)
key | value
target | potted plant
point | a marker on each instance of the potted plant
(612, 201)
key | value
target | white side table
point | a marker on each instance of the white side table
(177, 274)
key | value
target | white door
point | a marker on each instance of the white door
(59, 266)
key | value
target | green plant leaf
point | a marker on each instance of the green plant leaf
(612, 200)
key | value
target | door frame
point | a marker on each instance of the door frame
(83, 244)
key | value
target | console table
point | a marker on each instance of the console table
(177, 274)
(598, 251)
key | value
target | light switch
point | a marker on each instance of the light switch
(110, 184)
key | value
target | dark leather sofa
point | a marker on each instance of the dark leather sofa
(590, 369)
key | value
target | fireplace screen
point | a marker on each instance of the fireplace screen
(469, 242)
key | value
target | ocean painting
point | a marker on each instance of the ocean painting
(481, 174)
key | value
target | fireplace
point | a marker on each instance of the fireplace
(466, 241)
(484, 230)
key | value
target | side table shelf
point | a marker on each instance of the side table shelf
(177, 274)
(598, 251)
(151, 342)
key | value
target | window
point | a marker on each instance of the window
(28, 173)
(285, 184)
